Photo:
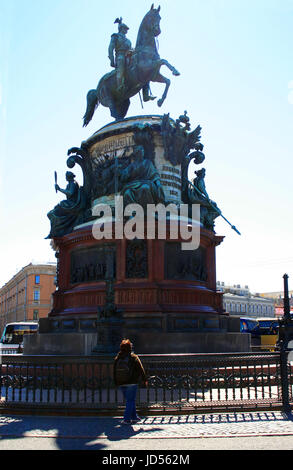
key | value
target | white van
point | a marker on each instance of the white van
(12, 338)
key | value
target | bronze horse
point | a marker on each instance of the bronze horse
(144, 67)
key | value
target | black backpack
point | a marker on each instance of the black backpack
(123, 370)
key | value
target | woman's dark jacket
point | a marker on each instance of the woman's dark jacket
(136, 367)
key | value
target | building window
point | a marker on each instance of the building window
(36, 295)
(37, 279)
(36, 315)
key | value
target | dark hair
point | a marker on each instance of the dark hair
(125, 346)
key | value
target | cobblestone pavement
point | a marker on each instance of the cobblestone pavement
(154, 427)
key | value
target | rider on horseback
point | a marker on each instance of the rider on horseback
(122, 47)
(134, 69)
(123, 52)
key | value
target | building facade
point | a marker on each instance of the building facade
(278, 298)
(238, 300)
(28, 294)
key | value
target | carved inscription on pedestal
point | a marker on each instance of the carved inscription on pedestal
(171, 181)
(111, 147)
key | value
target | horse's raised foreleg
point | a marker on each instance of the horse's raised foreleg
(170, 67)
(158, 77)
(161, 79)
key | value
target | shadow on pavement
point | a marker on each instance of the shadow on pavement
(96, 433)
(74, 433)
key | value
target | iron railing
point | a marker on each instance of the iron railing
(186, 382)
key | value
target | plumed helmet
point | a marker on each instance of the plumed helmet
(121, 25)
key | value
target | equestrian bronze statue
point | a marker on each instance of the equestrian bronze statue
(134, 69)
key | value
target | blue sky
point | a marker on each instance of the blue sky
(236, 81)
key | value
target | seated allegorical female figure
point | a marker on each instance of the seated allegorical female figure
(141, 181)
(69, 212)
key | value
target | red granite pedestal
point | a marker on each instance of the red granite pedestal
(154, 293)
(165, 308)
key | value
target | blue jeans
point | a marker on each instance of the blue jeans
(129, 393)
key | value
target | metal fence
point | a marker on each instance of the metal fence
(185, 383)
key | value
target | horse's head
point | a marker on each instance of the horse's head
(153, 20)
(150, 25)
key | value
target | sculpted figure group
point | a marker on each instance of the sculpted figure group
(138, 181)
(134, 176)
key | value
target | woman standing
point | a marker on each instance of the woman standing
(128, 371)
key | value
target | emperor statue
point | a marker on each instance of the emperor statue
(134, 69)
(122, 47)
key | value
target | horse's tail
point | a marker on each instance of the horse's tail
(92, 104)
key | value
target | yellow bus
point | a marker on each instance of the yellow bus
(264, 332)
(268, 332)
